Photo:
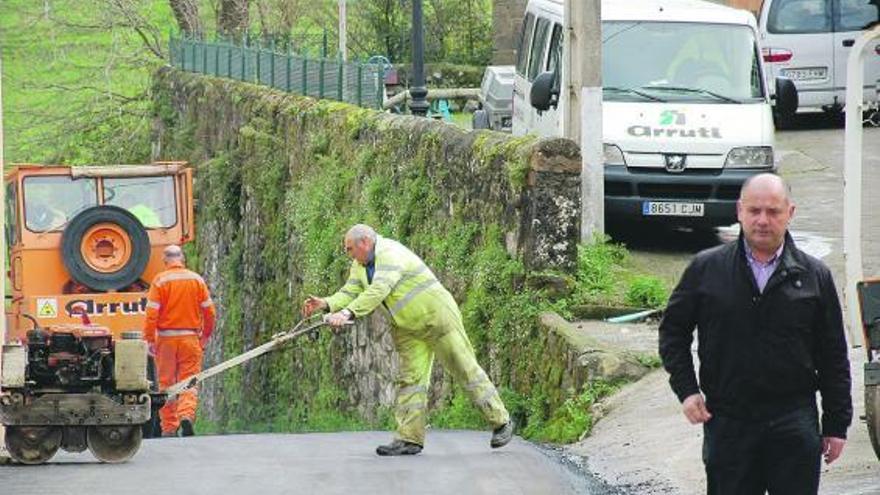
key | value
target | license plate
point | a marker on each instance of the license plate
(656, 208)
(806, 74)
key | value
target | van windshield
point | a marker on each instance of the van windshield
(679, 61)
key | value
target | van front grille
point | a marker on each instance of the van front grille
(675, 191)
(613, 188)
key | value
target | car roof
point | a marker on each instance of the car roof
(154, 169)
(659, 10)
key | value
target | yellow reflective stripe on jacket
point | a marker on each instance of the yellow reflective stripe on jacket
(415, 291)
(181, 275)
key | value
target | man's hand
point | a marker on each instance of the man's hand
(832, 447)
(203, 341)
(694, 408)
(338, 319)
(311, 305)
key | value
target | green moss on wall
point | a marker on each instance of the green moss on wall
(280, 178)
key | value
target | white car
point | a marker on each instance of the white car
(808, 41)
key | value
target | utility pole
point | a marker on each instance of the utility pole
(4, 456)
(342, 57)
(419, 104)
(582, 107)
(342, 31)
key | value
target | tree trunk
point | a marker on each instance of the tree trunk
(233, 21)
(187, 14)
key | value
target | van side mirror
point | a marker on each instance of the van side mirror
(545, 92)
(786, 96)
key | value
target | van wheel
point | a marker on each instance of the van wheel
(783, 122)
(105, 248)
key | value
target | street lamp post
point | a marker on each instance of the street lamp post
(418, 91)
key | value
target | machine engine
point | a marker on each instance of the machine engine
(74, 387)
(76, 359)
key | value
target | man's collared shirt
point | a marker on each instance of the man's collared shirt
(761, 270)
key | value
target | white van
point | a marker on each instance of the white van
(686, 112)
(809, 41)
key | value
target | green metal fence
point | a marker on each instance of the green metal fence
(352, 82)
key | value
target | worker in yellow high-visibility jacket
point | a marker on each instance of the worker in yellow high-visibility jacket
(425, 321)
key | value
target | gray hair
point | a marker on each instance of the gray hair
(361, 231)
(172, 253)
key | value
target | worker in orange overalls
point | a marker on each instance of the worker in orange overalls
(180, 319)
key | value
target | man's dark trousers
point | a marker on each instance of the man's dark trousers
(748, 457)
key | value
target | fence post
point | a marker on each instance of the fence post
(170, 48)
(321, 79)
(216, 58)
(305, 77)
(243, 57)
(229, 60)
(287, 84)
(339, 80)
(360, 85)
(204, 57)
(195, 56)
(379, 85)
(272, 65)
(259, 56)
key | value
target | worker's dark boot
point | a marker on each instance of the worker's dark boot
(502, 435)
(186, 428)
(399, 447)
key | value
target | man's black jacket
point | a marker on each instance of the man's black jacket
(761, 354)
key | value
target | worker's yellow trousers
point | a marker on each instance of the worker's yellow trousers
(444, 336)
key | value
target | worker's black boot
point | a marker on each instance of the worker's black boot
(399, 447)
(502, 435)
(186, 428)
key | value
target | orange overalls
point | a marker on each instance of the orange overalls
(180, 318)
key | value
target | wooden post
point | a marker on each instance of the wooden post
(582, 107)
(3, 454)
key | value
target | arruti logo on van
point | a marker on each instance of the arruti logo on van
(668, 117)
(111, 308)
(673, 124)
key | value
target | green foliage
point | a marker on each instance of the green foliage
(646, 291)
(649, 360)
(457, 31)
(573, 419)
(457, 413)
(75, 80)
(277, 196)
(605, 275)
(598, 266)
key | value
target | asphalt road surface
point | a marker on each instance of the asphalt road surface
(454, 462)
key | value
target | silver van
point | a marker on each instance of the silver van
(808, 41)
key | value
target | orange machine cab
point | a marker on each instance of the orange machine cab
(90, 239)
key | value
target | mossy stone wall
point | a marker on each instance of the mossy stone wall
(280, 178)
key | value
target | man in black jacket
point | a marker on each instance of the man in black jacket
(770, 334)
